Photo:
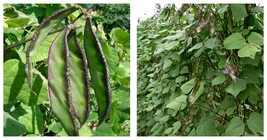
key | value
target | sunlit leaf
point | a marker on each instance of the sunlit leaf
(178, 104)
(255, 122)
(234, 41)
(249, 50)
(237, 87)
(188, 86)
(235, 128)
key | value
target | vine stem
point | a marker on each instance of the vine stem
(50, 33)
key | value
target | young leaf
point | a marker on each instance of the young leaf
(57, 84)
(39, 35)
(99, 71)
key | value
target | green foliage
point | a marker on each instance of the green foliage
(28, 111)
(113, 15)
(200, 71)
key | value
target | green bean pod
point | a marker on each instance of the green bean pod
(39, 35)
(79, 79)
(58, 85)
(99, 71)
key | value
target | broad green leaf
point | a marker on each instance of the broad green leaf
(195, 47)
(180, 79)
(13, 127)
(164, 119)
(175, 37)
(158, 131)
(171, 45)
(255, 38)
(251, 75)
(43, 50)
(177, 125)
(227, 102)
(253, 94)
(255, 122)
(188, 86)
(252, 62)
(16, 87)
(230, 111)
(99, 71)
(168, 131)
(237, 87)
(218, 80)
(10, 11)
(16, 19)
(222, 8)
(199, 51)
(58, 86)
(31, 117)
(206, 127)
(235, 128)
(234, 41)
(55, 127)
(85, 131)
(249, 50)
(18, 22)
(221, 63)
(179, 103)
(239, 11)
(104, 130)
(243, 95)
(123, 99)
(198, 94)
(120, 36)
(112, 58)
(167, 64)
(184, 70)
(210, 43)
(155, 127)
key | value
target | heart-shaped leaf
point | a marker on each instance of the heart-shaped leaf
(234, 41)
(237, 87)
(255, 122)
(235, 128)
(249, 50)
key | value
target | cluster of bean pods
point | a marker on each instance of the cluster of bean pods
(69, 65)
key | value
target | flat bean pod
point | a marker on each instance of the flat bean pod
(57, 84)
(99, 71)
(78, 78)
(39, 35)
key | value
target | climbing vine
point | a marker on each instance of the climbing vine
(200, 71)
